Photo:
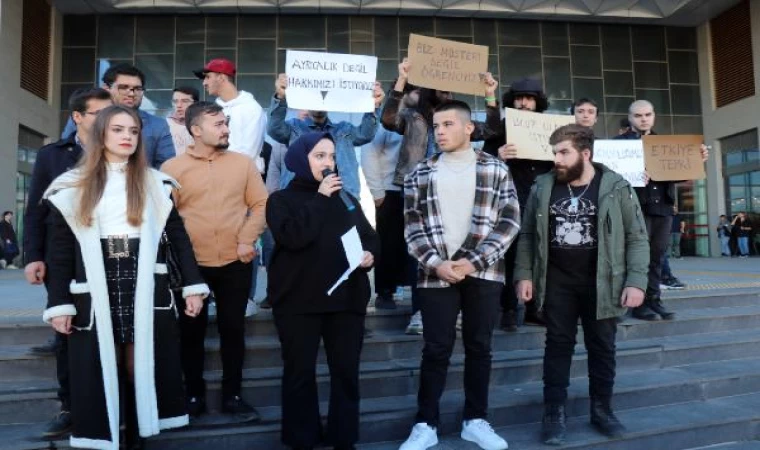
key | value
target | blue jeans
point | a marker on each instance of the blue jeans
(267, 246)
(744, 245)
(725, 249)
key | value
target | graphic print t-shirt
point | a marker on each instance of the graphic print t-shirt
(573, 233)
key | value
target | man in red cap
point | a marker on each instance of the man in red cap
(247, 120)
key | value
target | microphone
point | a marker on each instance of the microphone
(343, 196)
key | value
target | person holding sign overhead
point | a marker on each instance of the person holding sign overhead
(308, 221)
(528, 95)
(345, 135)
(461, 215)
(657, 200)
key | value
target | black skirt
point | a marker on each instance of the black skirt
(120, 261)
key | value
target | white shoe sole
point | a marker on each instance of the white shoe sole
(467, 437)
(433, 444)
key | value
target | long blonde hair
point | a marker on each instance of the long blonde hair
(92, 167)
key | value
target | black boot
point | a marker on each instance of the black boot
(655, 304)
(509, 320)
(604, 420)
(644, 312)
(553, 425)
(132, 433)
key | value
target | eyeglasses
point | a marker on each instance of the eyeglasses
(92, 113)
(124, 89)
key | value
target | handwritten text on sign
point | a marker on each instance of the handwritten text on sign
(330, 81)
(673, 158)
(625, 157)
(530, 132)
(447, 65)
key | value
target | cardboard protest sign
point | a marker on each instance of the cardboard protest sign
(530, 132)
(624, 156)
(673, 158)
(330, 81)
(447, 65)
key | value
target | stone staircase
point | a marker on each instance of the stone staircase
(687, 384)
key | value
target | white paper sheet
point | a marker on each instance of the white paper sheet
(352, 246)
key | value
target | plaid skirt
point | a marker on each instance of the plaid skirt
(120, 260)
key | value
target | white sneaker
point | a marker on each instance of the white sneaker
(480, 432)
(415, 324)
(11, 266)
(252, 308)
(423, 437)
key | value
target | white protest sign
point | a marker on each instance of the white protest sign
(330, 81)
(623, 156)
(352, 246)
(530, 132)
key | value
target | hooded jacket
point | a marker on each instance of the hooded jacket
(248, 124)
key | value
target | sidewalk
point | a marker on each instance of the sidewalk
(21, 303)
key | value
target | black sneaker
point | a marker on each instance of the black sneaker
(655, 304)
(674, 283)
(59, 426)
(196, 406)
(238, 406)
(604, 420)
(643, 312)
(384, 302)
(47, 349)
(553, 425)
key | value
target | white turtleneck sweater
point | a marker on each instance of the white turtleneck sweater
(111, 212)
(455, 184)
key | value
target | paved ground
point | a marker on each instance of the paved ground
(22, 303)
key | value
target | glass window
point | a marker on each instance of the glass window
(227, 53)
(687, 125)
(586, 61)
(683, 67)
(554, 38)
(416, 25)
(558, 83)
(682, 38)
(261, 86)
(737, 185)
(618, 83)
(78, 65)
(660, 100)
(191, 29)
(116, 36)
(513, 32)
(361, 28)
(584, 33)
(155, 34)
(221, 31)
(734, 159)
(616, 47)
(619, 104)
(386, 37)
(68, 89)
(519, 62)
(453, 27)
(387, 69)
(754, 186)
(361, 48)
(589, 88)
(686, 100)
(79, 30)
(188, 57)
(158, 70)
(302, 32)
(339, 36)
(648, 43)
(485, 34)
(257, 56)
(257, 26)
(157, 102)
(651, 75)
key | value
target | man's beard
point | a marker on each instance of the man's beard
(572, 173)
(222, 145)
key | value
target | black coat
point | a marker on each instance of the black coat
(52, 160)
(308, 256)
(657, 198)
(77, 287)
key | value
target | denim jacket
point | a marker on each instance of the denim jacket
(346, 136)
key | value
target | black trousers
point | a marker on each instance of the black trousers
(658, 228)
(509, 295)
(562, 308)
(342, 334)
(230, 285)
(62, 370)
(479, 302)
(392, 267)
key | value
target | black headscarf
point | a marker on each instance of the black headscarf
(297, 157)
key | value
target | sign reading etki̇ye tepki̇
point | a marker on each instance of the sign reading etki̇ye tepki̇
(330, 81)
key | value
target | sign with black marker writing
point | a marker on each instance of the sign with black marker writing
(673, 158)
(530, 132)
(447, 65)
(330, 81)
(623, 156)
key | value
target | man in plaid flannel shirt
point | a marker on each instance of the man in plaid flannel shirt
(461, 215)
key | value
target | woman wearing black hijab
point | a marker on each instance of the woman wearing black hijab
(307, 220)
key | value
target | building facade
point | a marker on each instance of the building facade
(666, 59)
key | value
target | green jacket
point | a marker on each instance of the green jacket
(622, 241)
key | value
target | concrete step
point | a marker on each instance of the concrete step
(747, 445)
(660, 409)
(673, 427)
(16, 363)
